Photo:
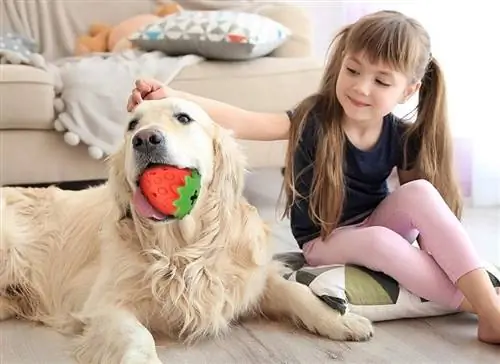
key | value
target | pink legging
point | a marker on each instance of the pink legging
(381, 243)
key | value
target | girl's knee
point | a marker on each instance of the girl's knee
(419, 189)
(419, 185)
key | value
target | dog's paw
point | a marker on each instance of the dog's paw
(348, 327)
(356, 327)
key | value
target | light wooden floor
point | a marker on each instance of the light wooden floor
(443, 340)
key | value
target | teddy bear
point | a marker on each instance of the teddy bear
(105, 38)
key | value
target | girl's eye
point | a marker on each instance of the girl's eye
(383, 83)
(352, 71)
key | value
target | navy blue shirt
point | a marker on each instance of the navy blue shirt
(365, 174)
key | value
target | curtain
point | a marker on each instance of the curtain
(464, 40)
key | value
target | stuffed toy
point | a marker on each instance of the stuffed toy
(106, 38)
(95, 41)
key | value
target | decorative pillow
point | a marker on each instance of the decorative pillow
(216, 34)
(371, 294)
(16, 48)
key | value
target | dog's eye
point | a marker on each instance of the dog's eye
(183, 118)
(132, 125)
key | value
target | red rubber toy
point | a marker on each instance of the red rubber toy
(170, 190)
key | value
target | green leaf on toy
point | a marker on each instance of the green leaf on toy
(188, 195)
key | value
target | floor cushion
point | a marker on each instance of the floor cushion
(356, 289)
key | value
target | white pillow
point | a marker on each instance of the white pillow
(371, 294)
(213, 34)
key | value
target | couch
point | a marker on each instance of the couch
(33, 152)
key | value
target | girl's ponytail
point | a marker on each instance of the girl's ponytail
(431, 129)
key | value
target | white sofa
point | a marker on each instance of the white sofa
(32, 152)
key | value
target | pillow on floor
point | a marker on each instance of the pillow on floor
(371, 294)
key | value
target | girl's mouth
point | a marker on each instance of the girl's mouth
(357, 103)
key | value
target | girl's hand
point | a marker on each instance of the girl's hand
(147, 90)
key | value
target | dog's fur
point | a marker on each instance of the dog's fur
(77, 262)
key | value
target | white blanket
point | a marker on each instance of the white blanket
(92, 99)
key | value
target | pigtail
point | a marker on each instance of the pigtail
(435, 160)
(327, 190)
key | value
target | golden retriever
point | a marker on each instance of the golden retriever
(90, 264)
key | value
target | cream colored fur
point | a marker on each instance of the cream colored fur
(73, 262)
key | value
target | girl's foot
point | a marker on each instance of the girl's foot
(489, 328)
(489, 331)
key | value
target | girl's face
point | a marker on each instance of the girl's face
(368, 92)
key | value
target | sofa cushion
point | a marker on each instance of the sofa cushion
(42, 156)
(27, 95)
(269, 84)
(217, 34)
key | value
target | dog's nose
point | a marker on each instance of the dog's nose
(147, 140)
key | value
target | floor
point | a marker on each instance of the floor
(449, 339)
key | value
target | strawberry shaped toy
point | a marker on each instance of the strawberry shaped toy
(170, 190)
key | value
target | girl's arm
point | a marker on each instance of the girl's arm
(246, 124)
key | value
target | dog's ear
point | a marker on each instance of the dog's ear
(229, 167)
(117, 180)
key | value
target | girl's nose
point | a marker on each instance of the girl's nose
(363, 86)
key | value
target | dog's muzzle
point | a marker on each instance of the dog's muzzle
(150, 147)
(148, 141)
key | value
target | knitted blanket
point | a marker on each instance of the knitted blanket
(91, 102)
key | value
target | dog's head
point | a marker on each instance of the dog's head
(179, 133)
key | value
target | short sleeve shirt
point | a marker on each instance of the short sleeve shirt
(365, 174)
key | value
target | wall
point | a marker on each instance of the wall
(465, 48)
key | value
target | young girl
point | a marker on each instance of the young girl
(344, 142)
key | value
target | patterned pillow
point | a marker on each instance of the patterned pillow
(371, 294)
(216, 34)
(16, 48)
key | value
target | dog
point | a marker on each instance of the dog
(92, 265)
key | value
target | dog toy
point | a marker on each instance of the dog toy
(170, 190)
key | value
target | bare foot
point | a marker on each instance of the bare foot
(489, 329)
(489, 332)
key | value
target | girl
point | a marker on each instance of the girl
(343, 143)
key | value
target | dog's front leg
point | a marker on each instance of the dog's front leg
(294, 301)
(115, 336)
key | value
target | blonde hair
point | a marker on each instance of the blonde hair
(402, 43)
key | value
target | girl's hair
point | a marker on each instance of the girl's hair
(402, 43)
